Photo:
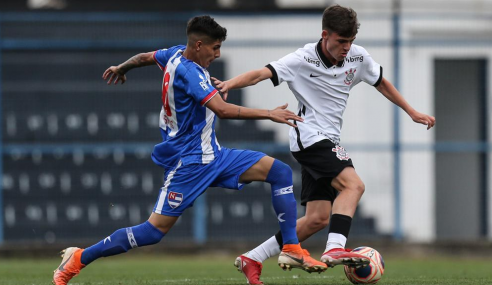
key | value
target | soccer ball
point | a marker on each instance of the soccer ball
(370, 274)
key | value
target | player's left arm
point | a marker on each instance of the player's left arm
(389, 91)
(117, 73)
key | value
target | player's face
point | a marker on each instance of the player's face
(336, 46)
(209, 52)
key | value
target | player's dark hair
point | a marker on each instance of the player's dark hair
(341, 20)
(206, 26)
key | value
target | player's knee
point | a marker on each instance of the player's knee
(356, 187)
(317, 222)
(360, 188)
(279, 173)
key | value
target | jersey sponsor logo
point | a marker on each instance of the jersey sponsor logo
(342, 154)
(203, 83)
(356, 58)
(283, 191)
(314, 75)
(350, 76)
(316, 62)
(168, 121)
(174, 199)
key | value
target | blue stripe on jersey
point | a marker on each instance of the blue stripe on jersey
(187, 126)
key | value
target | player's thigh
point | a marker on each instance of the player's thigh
(182, 186)
(347, 179)
(162, 222)
(232, 164)
(258, 171)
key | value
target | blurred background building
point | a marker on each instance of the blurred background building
(76, 153)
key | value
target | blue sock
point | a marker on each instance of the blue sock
(284, 203)
(121, 241)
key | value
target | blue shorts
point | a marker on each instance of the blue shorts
(184, 184)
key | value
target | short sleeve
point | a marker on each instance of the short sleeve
(285, 69)
(372, 72)
(199, 87)
(161, 57)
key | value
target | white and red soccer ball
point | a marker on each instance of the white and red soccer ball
(370, 274)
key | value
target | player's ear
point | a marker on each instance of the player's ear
(324, 34)
(198, 45)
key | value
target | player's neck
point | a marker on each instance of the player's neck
(190, 55)
(329, 57)
(327, 54)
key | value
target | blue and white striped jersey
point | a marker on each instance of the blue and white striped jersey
(187, 126)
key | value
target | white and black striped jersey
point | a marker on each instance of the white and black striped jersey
(322, 89)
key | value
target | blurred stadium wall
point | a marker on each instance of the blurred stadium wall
(76, 153)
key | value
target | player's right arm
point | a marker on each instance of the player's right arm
(246, 79)
(117, 73)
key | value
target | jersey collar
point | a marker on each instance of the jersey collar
(326, 62)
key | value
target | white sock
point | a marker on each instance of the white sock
(335, 241)
(265, 250)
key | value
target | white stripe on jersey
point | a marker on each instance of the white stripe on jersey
(207, 148)
(217, 143)
(163, 195)
(172, 121)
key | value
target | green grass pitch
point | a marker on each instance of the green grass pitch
(218, 269)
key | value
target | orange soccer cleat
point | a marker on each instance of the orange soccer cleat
(69, 267)
(293, 256)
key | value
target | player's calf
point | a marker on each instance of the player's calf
(283, 200)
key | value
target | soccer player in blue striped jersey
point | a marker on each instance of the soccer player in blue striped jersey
(191, 155)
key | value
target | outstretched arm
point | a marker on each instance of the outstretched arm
(246, 79)
(389, 91)
(226, 110)
(117, 73)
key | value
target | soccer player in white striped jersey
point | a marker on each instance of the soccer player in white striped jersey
(321, 75)
(191, 155)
